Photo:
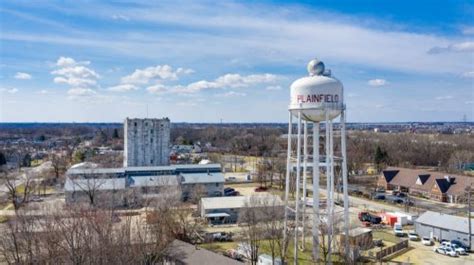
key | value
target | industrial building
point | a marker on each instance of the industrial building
(132, 186)
(444, 227)
(219, 210)
(146, 142)
(438, 186)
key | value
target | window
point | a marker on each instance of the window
(151, 131)
(135, 124)
(151, 161)
(217, 184)
(151, 140)
(146, 123)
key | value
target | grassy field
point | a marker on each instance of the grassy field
(304, 257)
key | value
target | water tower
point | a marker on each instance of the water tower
(315, 99)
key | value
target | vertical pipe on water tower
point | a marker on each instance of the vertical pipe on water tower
(298, 173)
(344, 180)
(287, 181)
(305, 161)
(316, 219)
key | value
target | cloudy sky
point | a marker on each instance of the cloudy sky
(193, 61)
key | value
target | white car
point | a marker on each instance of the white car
(459, 250)
(413, 236)
(445, 251)
(426, 241)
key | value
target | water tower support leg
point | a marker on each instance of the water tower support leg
(344, 180)
(287, 182)
(315, 230)
(305, 161)
(298, 179)
(328, 190)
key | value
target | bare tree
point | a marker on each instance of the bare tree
(18, 187)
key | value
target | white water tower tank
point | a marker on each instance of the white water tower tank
(317, 94)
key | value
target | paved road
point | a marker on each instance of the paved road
(421, 205)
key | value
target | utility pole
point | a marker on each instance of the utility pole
(468, 189)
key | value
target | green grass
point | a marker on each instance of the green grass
(3, 219)
(386, 236)
(304, 257)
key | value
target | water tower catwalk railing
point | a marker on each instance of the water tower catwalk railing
(317, 163)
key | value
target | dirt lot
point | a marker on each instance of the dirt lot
(420, 254)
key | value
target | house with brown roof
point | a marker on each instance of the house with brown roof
(438, 186)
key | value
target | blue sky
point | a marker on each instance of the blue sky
(199, 61)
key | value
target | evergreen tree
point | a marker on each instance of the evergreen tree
(3, 160)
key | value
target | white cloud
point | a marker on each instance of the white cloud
(120, 17)
(467, 46)
(43, 92)
(9, 90)
(157, 89)
(469, 102)
(81, 79)
(468, 74)
(232, 94)
(22, 76)
(68, 61)
(163, 72)
(377, 82)
(81, 92)
(123, 88)
(277, 87)
(447, 97)
(228, 81)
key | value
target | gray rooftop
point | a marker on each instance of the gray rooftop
(233, 202)
(154, 181)
(186, 253)
(82, 170)
(193, 178)
(94, 184)
(445, 221)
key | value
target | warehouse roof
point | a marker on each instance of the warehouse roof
(445, 221)
(186, 253)
(233, 202)
(94, 184)
(193, 178)
(153, 181)
(174, 168)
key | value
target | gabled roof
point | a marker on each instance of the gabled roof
(390, 174)
(443, 185)
(423, 178)
(406, 177)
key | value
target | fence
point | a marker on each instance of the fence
(389, 250)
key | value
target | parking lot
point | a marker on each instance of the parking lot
(420, 254)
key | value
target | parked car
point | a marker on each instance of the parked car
(401, 195)
(445, 251)
(232, 193)
(231, 179)
(228, 189)
(379, 197)
(260, 189)
(460, 244)
(413, 236)
(368, 217)
(458, 249)
(398, 230)
(222, 236)
(427, 241)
